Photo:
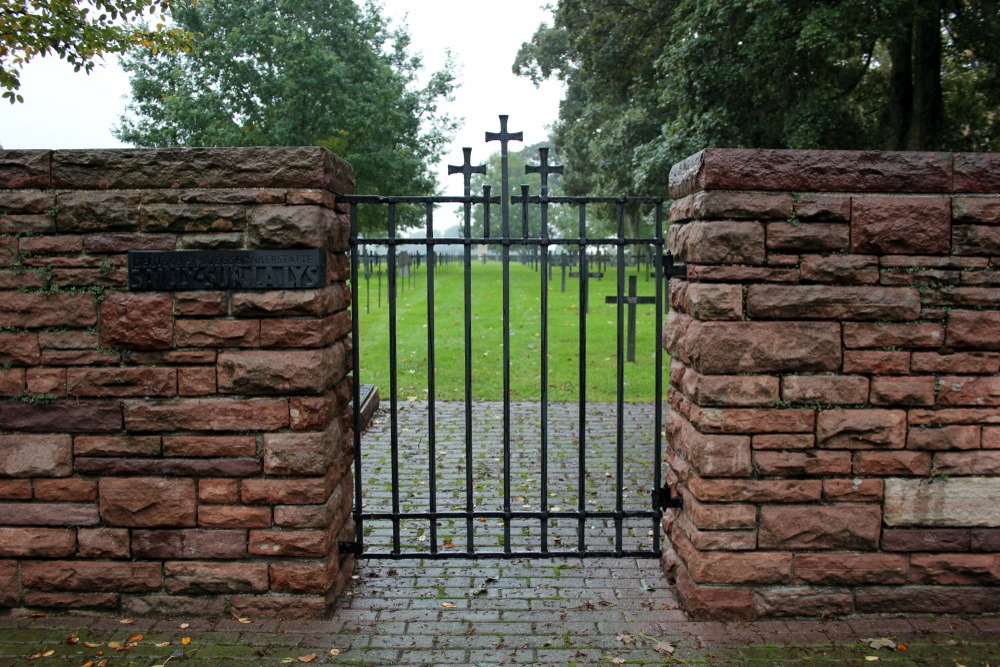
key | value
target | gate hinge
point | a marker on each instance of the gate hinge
(664, 499)
(671, 269)
(349, 548)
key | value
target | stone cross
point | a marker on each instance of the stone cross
(632, 300)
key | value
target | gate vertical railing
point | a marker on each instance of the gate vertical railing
(470, 513)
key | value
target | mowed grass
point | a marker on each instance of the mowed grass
(487, 336)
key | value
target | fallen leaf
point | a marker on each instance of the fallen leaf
(448, 605)
(41, 654)
(881, 643)
(162, 644)
(134, 639)
(127, 621)
(307, 658)
(625, 638)
(72, 639)
(244, 619)
(871, 658)
(185, 640)
(116, 646)
(900, 646)
(89, 663)
(665, 648)
(335, 652)
(285, 661)
(185, 626)
(91, 645)
(448, 545)
(103, 663)
(37, 614)
(617, 661)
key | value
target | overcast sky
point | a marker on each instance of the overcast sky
(63, 109)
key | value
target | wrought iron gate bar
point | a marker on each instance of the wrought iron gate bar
(542, 241)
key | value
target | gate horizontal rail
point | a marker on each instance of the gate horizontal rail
(544, 519)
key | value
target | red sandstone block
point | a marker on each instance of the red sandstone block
(217, 333)
(19, 349)
(856, 269)
(194, 544)
(104, 542)
(51, 514)
(79, 357)
(928, 599)
(26, 224)
(219, 491)
(176, 606)
(290, 543)
(147, 501)
(922, 279)
(37, 542)
(903, 390)
(199, 304)
(36, 310)
(291, 303)
(813, 527)
(955, 569)
(823, 601)
(12, 382)
(98, 211)
(69, 489)
(752, 420)
(926, 539)
(975, 239)
(946, 438)
(853, 490)
(985, 539)
(196, 381)
(308, 491)
(173, 357)
(72, 339)
(333, 512)
(808, 237)
(10, 590)
(48, 245)
(940, 262)
(206, 578)
(71, 601)
(958, 362)
(288, 371)
(732, 568)
(710, 455)
(783, 441)
(303, 577)
(35, 455)
(901, 225)
(91, 576)
(945, 416)
(170, 467)
(314, 413)
(292, 226)
(157, 217)
(991, 438)
(984, 210)
(850, 569)
(718, 242)
(137, 321)
(755, 491)
(25, 201)
(283, 333)
(717, 603)
(15, 489)
(974, 391)
(281, 606)
(137, 381)
(896, 463)
(727, 516)
(206, 414)
(732, 206)
(827, 389)
(799, 463)
(833, 302)
(861, 429)
(106, 445)
(309, 453)
(210, 445)
(715, 540)
(756, 274)
(46, 381)
(233, 516)
(908, 334)
(967, 463)
(709, 301)
(731, 390)
(961, 297)
(107, 243)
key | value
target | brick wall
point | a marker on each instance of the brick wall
(835, 398)
(171, 452)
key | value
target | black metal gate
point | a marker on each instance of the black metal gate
(459, 477)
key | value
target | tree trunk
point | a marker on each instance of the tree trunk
(899, 105)
(926, 125)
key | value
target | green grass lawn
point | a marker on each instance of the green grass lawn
(487, 336)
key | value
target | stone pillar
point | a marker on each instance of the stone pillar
(171, 452)
(834, 390)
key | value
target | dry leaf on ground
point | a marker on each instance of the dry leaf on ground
(307, 658)
(185, 640)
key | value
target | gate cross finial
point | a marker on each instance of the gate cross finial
(503, 136)
(467, 169)
(544, 169)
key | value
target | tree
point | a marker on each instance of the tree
(78, 32)
(295, 72)
(652, 81)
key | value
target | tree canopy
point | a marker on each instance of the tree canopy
(294, 72)
(77, 31)
(652, 81)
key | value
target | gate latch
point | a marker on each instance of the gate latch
(665, 500)
(349, 548)
(671, 269)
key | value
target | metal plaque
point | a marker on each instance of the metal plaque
(198, 270)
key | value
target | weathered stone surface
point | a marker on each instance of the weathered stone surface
(308, 453)
(731, 390)
(955, 502)
(136, 381)
(37, 542)
(984, 210)
(724, 516)
(708, 301)
(755, 491)
(802, 601)
(36, 310)
(289, 543)
(976, 240)
(123, 242)
(861, 429)
(104, 542)
(10, 593)
(209, 445)
(19, 349)
(963, 390)
(812, 171)
(71, 601)
(711, 455)
(171, 168)
(217, 333)
(221, 491)
(258, 372)
(285, 492)
(967, 463)
(36, 455)
(61, 416)
(927, 539)
(98, 211)
(189, 544)
(853, 490)
(833, 302)
(732, 206)
(955, 569)
(808, 237)
(946, 438)
(896, 462)
(220, 467)
(51, 514)
(302, 577)
(191, 218)
(148, 501)
(975, 172)
(207, 578)
(207, 414)
(91, 576)
(877, 362)
(291, 303)
(883, 334)
(752, 420)
(843, 527)
(753, 347)
(291, 227)
(23, 169)
(903, 390)
(840, 269)
(901, 225)
(137, 321)
(102, 445)
(176, 606)
(731, 568)
(281, 606)
(826, 389)
(718, 603)
(720, 243)
(13, 382)
(66, 489)
(927, 599)
(800, 463)
(233, 516)
(985, 539)
(282, 333)
(197, 381)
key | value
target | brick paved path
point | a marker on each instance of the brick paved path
(564, 476)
